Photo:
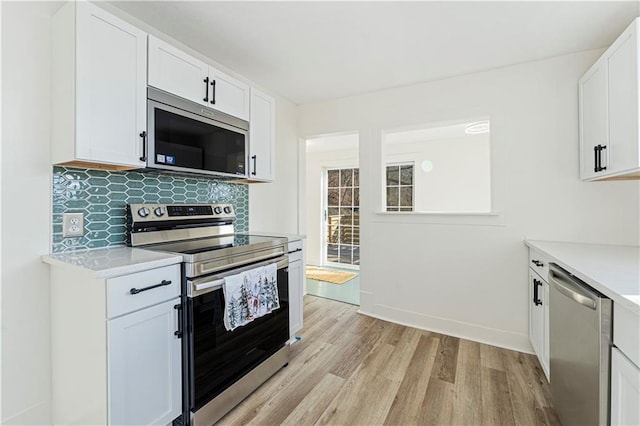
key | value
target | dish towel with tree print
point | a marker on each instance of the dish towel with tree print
(250, 295)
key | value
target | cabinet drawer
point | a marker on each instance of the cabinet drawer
(295, 251)
(539, 263)
(625, 332)
(120, 291)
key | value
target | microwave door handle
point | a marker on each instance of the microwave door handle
(255, 160)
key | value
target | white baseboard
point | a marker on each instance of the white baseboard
(39, 414)
(464, 330)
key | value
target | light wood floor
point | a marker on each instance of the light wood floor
(350, 369)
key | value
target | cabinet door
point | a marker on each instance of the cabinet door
(176, 72)
(111, 67)
(536, 314)
(228, 95)
(623, 105)
(593, 118)
(296, 277)
(145, 362)
(262, 136)
(625, 390)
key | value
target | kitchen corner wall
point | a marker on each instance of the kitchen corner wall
(103, 196)
(470, 279)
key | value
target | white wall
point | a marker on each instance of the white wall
(317, 162)
(273, 207)
(26, 193)
(465, 278)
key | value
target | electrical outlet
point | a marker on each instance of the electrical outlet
(72, 224)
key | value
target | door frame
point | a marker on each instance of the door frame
(325, 213)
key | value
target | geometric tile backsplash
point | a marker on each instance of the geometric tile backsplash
(103, 195)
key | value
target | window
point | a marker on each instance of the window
(343, 216)
(400, 187)
(439, 168)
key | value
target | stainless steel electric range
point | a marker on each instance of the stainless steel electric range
(220, 367)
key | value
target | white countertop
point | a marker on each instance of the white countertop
(611, 269)
(113, 261)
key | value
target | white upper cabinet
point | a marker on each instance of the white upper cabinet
(609, 112)
(228, 95)
(179, 73)
(172, 70)
(262, 137)
(99, 67)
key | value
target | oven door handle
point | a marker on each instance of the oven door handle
(209, 284)
(204, 285)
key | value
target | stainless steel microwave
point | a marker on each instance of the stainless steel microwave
(185, 137)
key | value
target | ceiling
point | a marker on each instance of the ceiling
(311, 51)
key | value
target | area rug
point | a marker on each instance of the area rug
(333, 277)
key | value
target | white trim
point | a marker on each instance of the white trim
(464, 330)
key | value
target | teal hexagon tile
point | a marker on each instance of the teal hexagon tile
(179, 191)
(97, 217)
(165, 185)
(135, 192)
(117, 178)
(96, 226)
(98, 199)
(94, 181)
(116, 187)
(135, 184)
(77, 204)
(165, 194)
(98, 190)
(98, 208)
(118, 196)
(116, 239)
(134, 176)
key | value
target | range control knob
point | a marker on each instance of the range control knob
(159, 211)
(217, 210)
(227, 210)
(144, 212)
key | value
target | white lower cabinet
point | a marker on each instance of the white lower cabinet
(144, 367)
(539, 308)
(116, 347)
(625, 390)
(296, 289)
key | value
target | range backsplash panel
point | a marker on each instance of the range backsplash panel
(103, 195)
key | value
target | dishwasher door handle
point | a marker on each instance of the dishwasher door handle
(565, 286)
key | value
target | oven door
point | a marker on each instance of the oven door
(194, 139)
(217, 357)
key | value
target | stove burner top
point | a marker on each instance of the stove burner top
(201, 233)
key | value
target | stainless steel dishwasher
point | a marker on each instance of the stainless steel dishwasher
(580, 347)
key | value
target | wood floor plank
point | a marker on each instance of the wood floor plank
(447, 359)
(411, 393)
(492, 357)
(467, 409)
(437, 406)
(496, 399)
(309, 410)
(366, 397)
(527, 409)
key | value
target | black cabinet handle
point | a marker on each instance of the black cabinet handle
(602, 147)
(140, 290)
(213, 91)
(143, 135)
(178, 333)
(536, 299)
(206, 89)
(537, 263)
(597, 152)
(255, 160)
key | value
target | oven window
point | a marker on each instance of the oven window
(220, 357)
(184, 142)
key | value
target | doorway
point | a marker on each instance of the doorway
(333, 217)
